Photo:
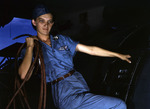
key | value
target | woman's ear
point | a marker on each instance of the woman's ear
(33, 22)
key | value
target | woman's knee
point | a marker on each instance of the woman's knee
(121, 105)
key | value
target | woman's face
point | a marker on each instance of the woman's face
(43, 24)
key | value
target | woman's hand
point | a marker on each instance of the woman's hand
(30, 41)
(124, 57)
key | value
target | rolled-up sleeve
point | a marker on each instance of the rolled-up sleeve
(71, 45)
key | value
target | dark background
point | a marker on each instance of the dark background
(117, 25)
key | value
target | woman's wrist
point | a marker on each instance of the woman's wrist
(30, 47)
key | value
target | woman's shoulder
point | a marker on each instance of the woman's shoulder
(60, 37)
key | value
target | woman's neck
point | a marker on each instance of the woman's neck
(44, 37)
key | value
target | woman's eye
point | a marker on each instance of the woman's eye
(41, 21)
(50, 22)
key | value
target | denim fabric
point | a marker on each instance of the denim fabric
(71, 92)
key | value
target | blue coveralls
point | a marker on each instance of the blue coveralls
(71, 92)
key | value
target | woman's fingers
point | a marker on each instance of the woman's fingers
(30, 42)
(125, 57)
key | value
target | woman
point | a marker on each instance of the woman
(69, 89)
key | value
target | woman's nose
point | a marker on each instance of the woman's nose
(45, 24)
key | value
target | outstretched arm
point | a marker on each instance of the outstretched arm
(97, 51)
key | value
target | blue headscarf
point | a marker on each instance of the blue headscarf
(39, 10)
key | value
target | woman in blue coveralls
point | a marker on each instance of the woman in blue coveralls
(69, 89)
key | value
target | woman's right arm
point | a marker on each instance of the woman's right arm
(27, 60)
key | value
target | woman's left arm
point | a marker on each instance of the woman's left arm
(97, 51)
